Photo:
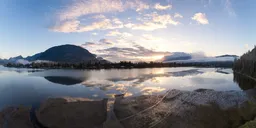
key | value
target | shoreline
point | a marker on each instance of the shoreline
(171, 107)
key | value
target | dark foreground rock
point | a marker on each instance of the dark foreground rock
(1, 120)
(176, 109)
(72, 113)
(183, 109)
(15, 118)
(250, 124)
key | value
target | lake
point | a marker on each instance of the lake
(30, 87)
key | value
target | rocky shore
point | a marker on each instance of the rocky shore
(176, 109)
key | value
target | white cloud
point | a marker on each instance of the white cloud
(148, 26)
(67, 26)
(120, 34)
(76, 26)
(95, 34)
(137, 5)
(84, 7)
(154, 21)
(100, 16)
(149, 37)
(129, 25)
(117, 21)
(100, 43)
(229, 8)
(158, 6)
(177, 15)
(200, 18)
(101, 25)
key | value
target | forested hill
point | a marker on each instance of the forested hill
(247, 63)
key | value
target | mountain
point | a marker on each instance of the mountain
(34, 57)
(14, 59)
(191, 58)
(235, 56)
(64, 54)
(2, 61)
(177, 56)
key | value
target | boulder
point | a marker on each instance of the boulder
(72, 113)
(186, 109)
(15, 118)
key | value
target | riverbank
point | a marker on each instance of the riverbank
(194, 109)
(122, 65)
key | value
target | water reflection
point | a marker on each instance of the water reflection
(29, 88)
(222, 72)
(142, 78)
(63, 80)
(244, 82)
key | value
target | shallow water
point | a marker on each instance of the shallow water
(29, 87)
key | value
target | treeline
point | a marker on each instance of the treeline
(120, 65)
(246, 64)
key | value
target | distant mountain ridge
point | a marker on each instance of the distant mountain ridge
(187, 58)
(61, 54)
(34, 57)
(227, 56)
(66, 54)
(177, 56)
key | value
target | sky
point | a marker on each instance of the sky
(128, 29)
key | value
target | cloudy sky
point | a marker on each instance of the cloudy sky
(128, 29)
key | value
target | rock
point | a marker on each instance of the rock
(1, 120)
(184, 109)
(250, 124)
(72, 113)
(15, 118)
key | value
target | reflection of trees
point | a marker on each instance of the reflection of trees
(244, 82)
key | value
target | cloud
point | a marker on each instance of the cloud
(117, 21)
(66, 27)
(149, 37)
(158, 6)
(134, 53)
(177, 15)
(84, 7)
(101, 42)
(106, 41)
(95, 34)
(200, 18)
(229, 8)
(154, 21)
(137, 5)
(76, 26)
(120, 34)
(70, 17)
(100, 16)
(129, 25)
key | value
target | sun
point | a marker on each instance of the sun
(157, 57)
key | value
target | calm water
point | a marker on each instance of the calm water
(29, 87)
